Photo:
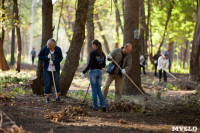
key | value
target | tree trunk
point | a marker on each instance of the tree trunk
(31, 32)
(47, 33)
(166, 23)
(59, 20)
(19, 50)
(147, 27)
(102, 35)
(131, 22)
(195, 55)
(67, 30)
(12, 58)
(73, 54)
(171, 47)
(117, 17)
(118, 20)
(90, 27)
(142, 27)
(3, 64)
(185, 52)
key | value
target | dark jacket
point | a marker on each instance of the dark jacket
(43, 56)
(96, 61)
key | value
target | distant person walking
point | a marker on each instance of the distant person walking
(51, 55)
(95, 65)
(168, 53)
(123, 57)
(155, 57)
(33, 55)
(163, 63)
(143, 62)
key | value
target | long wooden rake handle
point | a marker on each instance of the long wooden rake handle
(54, 81)
(86, 93)
(128, 77)
(171, 75)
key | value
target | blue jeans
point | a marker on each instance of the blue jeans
(95, 76)
(48, 81)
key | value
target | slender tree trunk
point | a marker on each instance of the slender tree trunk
(59, 20)
(166, 23)
(118, 20)
(117, 17)
(67, 30)
(90, 27)
(195, 55)
(171, 47)
(31, 32)
(73, 55)
(3, 64)
(142, 27)
(12, 59)
(123, 7)
(47, 33)
(19, 51)
(185, 52)
(103, 36)
(131, 21)
(147, 27)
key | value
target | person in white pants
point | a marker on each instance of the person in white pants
(163, 63)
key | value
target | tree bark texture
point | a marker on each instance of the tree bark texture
(17, 26)
(12, 58)
(131, 22)
(195, 55)
(73, 53)
(47, 33)
(102, 35)
(3, 63)
(166, 23)
(90, 27)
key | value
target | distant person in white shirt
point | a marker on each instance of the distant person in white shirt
(163, 64)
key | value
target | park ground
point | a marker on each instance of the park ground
(171, 104)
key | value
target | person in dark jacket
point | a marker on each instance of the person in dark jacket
(51, 55)
(95, 65)
(33, 54)
(155, 57)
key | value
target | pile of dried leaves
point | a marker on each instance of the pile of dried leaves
(5, 98)
(125, 106)
(13, 129)
(69, 114)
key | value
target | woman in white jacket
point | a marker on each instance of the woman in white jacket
(163, 63)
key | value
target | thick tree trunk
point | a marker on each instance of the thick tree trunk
(73, 54)
(131, 22)
(19, 50)
(3, 64)
(166, 23)
(90, 27)
(142, 27)
(195, 55)
(47, 33)
(185, 52)
(59, 21)
(103, 36)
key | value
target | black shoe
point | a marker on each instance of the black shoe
(95, 109)
(104, 109)
(47, 100)
(58, 99)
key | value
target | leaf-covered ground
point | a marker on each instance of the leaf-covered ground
(175, 103)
